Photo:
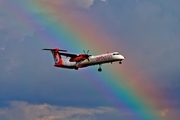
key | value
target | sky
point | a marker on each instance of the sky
(145, 86)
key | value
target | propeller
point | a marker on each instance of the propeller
(56, 49)
(86, 54)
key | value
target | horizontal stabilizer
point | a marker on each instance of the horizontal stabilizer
(56, 49)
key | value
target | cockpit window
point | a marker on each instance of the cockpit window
(116, 54)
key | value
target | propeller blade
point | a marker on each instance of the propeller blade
(86, 54)
(88, 58)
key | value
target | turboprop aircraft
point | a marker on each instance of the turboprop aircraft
(76, 61)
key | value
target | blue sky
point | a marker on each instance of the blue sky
(149, 30)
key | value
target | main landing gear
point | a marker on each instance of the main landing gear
(100, 69)
(120, 62)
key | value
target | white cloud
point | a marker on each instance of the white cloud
(23, 110)
(18, 110)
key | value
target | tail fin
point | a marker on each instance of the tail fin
(57, 57)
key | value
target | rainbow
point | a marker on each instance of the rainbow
(121, 85)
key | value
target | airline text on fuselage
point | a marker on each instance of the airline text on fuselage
(104, 57)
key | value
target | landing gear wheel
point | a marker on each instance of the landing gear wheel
(99, 69)
(76, 68)
(120, 62)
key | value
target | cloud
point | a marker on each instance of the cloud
(12, 23)
(17, 22)
(17, 110)
(148, 30)
(23, 110)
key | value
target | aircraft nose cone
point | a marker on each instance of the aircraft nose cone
(122, 57)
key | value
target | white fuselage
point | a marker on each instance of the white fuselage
(94, 60)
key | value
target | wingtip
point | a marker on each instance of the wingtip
(45, 49)
(56, 49)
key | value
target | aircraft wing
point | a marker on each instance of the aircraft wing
(68, 54)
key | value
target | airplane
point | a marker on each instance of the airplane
(76, 61)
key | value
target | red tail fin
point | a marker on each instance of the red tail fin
(57, 58)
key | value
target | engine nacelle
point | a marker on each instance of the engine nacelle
(77, 59)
